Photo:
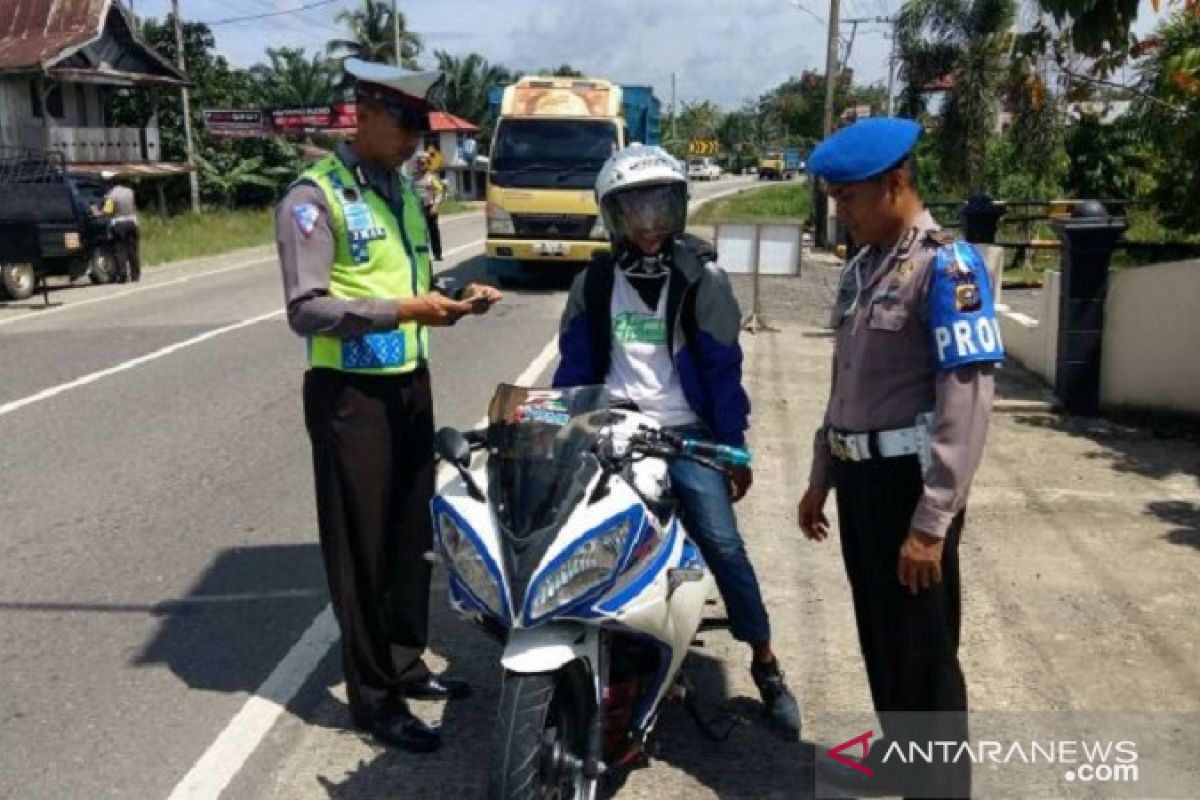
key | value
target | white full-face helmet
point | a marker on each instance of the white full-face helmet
(642, 190)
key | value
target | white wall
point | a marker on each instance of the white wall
(1034, 342)
(1152, 338)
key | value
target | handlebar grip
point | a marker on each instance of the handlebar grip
(732, 456)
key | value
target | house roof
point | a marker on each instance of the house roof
(440, 121)
(39, 34)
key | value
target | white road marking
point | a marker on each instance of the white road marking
(150, 287)
(228, 753)
(124, 366)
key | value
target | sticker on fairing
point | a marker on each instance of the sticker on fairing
(548, 408)
(962, 315)
(306, 216)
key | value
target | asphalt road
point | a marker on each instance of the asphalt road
(156, 510)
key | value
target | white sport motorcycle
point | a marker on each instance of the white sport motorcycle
(566, 547)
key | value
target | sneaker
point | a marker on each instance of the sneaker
(779, 704)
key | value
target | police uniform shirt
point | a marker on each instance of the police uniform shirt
(885, 374)
(306, 257)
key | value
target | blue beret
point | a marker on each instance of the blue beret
(864, 150)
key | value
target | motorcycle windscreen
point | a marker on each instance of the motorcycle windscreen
(541, 442)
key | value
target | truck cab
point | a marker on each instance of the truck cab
(552, 137)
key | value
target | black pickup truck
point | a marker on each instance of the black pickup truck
(49, 225)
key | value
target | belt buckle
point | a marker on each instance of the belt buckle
(838, 448)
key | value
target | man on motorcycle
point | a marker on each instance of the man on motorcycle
(657, 323)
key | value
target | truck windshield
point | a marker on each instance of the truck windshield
(551, 153)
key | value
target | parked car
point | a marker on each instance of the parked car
(703, 169)
(50, 223)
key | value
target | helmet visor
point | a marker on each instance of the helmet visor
(653, 211)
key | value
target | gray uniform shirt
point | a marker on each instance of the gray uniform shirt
(306, 259)
(124, 204)
(884, 375)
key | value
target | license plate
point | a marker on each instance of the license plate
(71, 240)
(550, 249)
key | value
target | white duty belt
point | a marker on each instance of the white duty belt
(912, 441)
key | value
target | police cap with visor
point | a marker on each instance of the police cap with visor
(407, 96)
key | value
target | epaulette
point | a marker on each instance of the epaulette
(942, 237)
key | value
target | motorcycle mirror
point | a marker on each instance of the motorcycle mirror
(453, 448)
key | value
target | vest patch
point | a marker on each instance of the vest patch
(374, 351)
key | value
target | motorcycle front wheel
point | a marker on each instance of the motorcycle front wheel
(540, 739)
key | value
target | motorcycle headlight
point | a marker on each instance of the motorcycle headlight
(599, 232)
(499, 221)
(590, 563)
(469, 564)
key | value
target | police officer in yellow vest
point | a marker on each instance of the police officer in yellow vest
(355, 257)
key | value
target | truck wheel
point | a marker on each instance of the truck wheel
(103, 266)
(18, 280)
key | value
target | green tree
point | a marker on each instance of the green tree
(469, 81)
(1169, 113)
(215, 84)
(225, 175)
(293, 79)
(966, 42)
(561, 71)
(371, 36)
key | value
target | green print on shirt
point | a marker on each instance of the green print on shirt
(630, 328)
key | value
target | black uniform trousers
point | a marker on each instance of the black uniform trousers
(909, 642)
(373, 455)
(435, 232)
(127, 244)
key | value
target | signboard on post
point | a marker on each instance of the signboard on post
(315, 119)
(703, 147)
(234, 124)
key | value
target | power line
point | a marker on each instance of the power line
(298, 9)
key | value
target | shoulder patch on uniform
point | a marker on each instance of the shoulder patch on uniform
(962, 316)
(306, 216)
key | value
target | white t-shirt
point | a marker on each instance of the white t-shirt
(642, 369)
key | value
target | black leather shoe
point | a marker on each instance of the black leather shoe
(435, 687)
(404, 731)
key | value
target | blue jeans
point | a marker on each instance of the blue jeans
(707, 512)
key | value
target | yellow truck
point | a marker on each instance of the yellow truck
(552, 136)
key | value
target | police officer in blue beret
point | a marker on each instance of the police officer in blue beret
(916, 345)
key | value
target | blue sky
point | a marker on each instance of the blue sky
(722, 50)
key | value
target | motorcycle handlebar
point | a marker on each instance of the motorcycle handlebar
(719, 456)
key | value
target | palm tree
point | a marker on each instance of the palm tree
(469, 80)
(371, 36)
(964, 42)
(292, 79)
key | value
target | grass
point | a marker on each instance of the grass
(790, 201)
(208, 233)
(213, 232)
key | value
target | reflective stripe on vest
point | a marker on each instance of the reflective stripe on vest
(375, 257)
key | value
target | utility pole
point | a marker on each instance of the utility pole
(396, 29)
(891, 106)
(672, 106)
(193, 178)
(831, 65)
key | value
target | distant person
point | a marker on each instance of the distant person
(120, 206)
(432, 192)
